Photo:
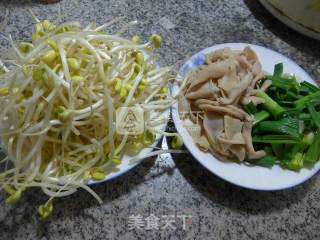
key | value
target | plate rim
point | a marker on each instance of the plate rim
(176, 120)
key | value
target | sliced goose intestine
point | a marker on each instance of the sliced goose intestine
(219, 54)
(238, 139)
(256, 79)
(250, 55)
(213, 124)
(232, 126)
(228, 109)
(212, 71)
(205, 101)
(207, 90)
(244, 63)
(237, 90)
(246, 132)
(199, 139)
(266, 85)
(183, 106)
(229, 81)
(238, 151)
(256, 68)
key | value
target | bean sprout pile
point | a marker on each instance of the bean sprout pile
(58, 99)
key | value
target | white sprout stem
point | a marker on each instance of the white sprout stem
(51, 34)
(82, 113)
(126, 27)
(17, 51)
(3, 66)
(107, 24)
(63, 98)
(129, 46)
(35, 19)
(151, 96)
(61, 194)
(53, 93)
(122, 144)
(6, 158)
(66, 73)
(134, 87)
(110, 121)
(110, 38)
(30, 100)
(78, 173)
(34, 167)
(56, 77)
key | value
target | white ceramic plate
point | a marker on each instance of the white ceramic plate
(252, 177)
(295, 24)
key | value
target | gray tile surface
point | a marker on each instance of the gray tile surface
(175, 185)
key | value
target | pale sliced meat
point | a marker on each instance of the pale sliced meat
(213, 125)
(222, 149)
(232, 126)
(205, 101)
(219, 54)
(258, 77)
(250, 55)
(183, 106)
(237, 90)
(224, 110)
(212, 71)
(266, 85)
(221, 155)
(207, 90)
(238, 139)
(203, 143)
(219, 89)
(250, 92)
(193, 129)
(246, 132)
(229, 81)
(223, 145)
(244, 63)
(195, 132)
(238, 151)
(256, 68)
(195, 114)
(240, 111)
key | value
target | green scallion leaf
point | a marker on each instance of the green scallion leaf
(266, 161)
(314, 114)
(288, 126)
(278, 69)
(260, 116)
(312, 88)
(250, 108)
(313, 153)
(280, 139)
